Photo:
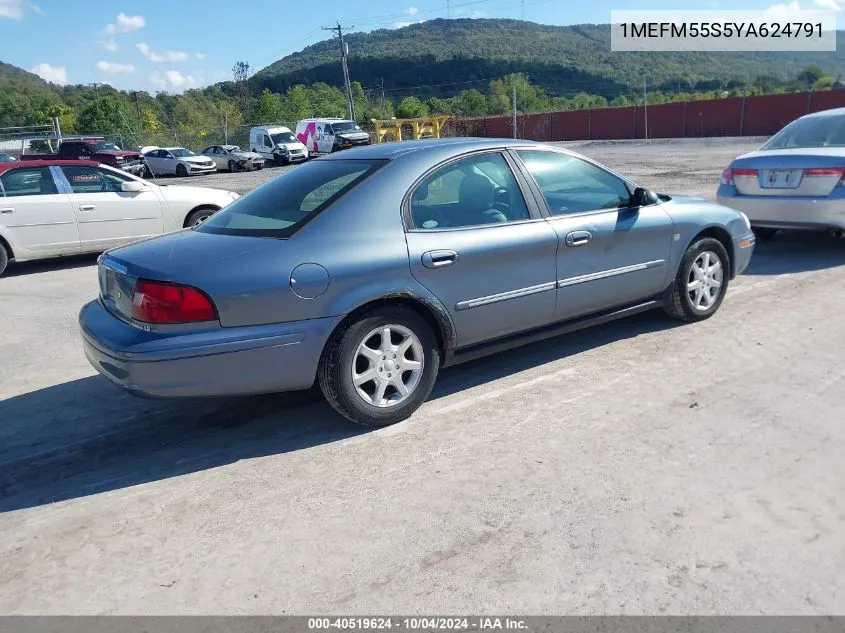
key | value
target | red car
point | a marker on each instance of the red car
(95, 150)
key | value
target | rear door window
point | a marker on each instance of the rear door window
(29, 181)
(283, 205)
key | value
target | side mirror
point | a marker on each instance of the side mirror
(132, 186)
(643, 197)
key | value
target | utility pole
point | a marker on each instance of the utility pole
(344, 53)
(645, 106)
(448, 10)
(383, 110)
(523, 10)
(513, 98)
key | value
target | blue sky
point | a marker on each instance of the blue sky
(173, 45)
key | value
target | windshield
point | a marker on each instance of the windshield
(182, 152)
(106, 147)
(283, 205)
(345, 126)
(817, 131)
(283, 137)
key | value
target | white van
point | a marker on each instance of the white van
(277, 143)
(322, 136)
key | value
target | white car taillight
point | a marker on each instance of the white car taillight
(730, 173)
(827, 171)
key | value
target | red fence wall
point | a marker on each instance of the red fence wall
(736, 116)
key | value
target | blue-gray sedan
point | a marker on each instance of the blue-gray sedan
(371, 269)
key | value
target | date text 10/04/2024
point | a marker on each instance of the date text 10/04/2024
(417, 623)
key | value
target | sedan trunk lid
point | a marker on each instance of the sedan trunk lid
(813, 172)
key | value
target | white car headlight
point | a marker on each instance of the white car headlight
(233, 195)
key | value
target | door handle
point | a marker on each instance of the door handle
(439, 259)
(87, 207)
(578, 238)
(7, 210)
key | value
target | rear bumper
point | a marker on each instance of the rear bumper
(219, 362)
(784, 212)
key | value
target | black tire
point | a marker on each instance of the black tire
(680, 305)
(233, 166)
(764, 234)
(4, 259)
(278, 160)
(181, 171)
(199, 216)
(334, 373)
(148, 172)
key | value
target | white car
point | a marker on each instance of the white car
(55, 208)
(178, 161)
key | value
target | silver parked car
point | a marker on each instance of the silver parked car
(370, 269)
(176, 161)
(795, 180)
(233, 158)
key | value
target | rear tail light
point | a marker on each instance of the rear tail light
(827, 171)
(730, 173)
(159, 302)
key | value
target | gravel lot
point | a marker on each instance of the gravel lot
(638, 468)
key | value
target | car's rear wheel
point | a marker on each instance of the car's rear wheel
(701, 282)
(381, 368)
(181, 171)
(233, 166)
(763, 234)
(199, 216)
(4, 258)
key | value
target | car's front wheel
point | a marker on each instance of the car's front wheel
(381, 368)
(4, 259)
(233, 166)
(701, 282)
(181, 170)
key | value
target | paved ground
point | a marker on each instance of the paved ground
(643, 467)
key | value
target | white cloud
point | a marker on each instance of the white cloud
(412, 10)
(167, 56)
(115, 69)
(126, 24)
(830, 5)
(401, 25)
(109, 45)
(780, 12)
(478, 14)
(12, 9)
(36, 9)
(54, 74)
(200, 55)
(174, 81)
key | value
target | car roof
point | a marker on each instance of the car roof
(44, 163)
(453, 146)
(824, 113)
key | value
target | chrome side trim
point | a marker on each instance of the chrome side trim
(613, 272)
(504, 296)
(31, 224)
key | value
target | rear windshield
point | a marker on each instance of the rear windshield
(817, 131)
(281, 206)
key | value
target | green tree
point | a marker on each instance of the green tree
(107, 115)
(298, 103)
(411, 108)
(810, 75)
(270, 108)
(149, 121)
(436, 105)
(60, 111)
(469, 103)
(620, 101)
(824, 83)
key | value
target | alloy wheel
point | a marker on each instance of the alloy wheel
(387, 366)
(705, 280)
